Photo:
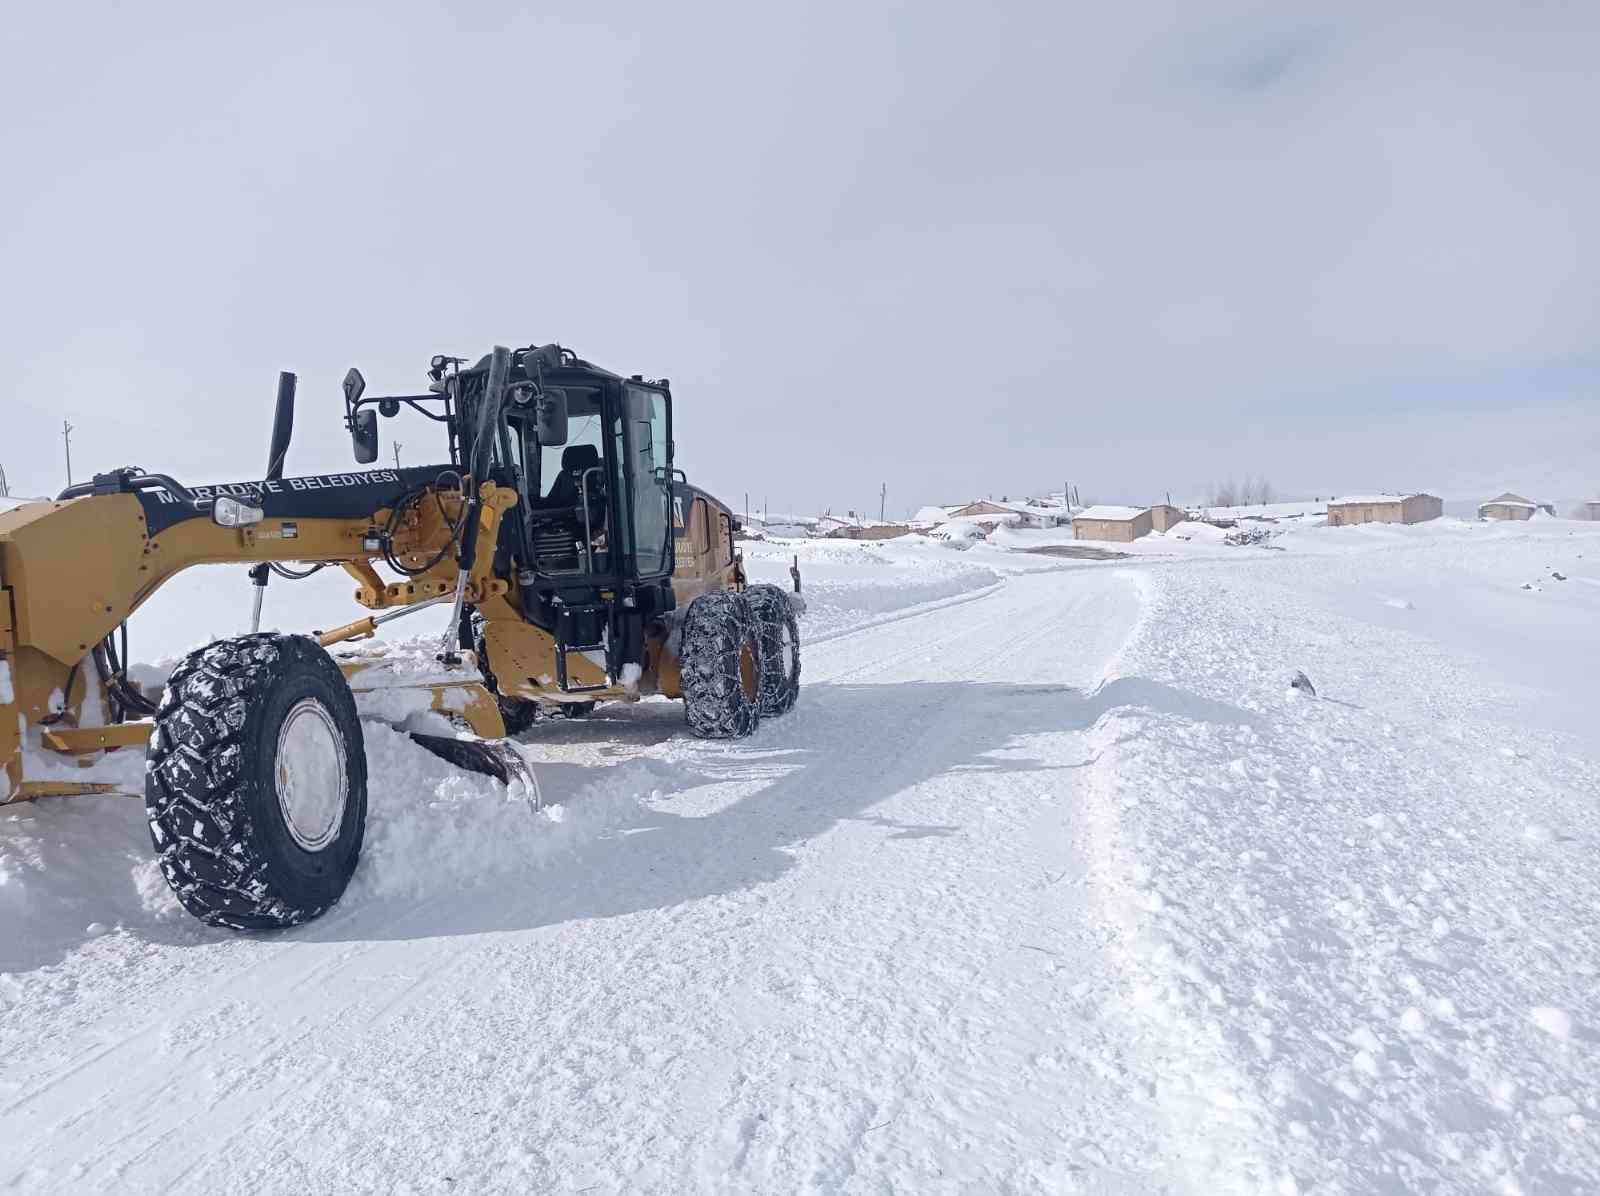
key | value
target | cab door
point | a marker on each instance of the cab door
(647, 452)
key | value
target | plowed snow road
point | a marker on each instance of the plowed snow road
(854, 952)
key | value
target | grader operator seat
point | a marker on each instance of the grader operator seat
(572, 516)
(568, 489)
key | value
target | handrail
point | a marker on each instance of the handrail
(126, 481)
(588, 533)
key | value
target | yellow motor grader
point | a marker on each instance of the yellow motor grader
(577, 563)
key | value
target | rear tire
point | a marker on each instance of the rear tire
(256, 782)
(780, 649)
(720, 664)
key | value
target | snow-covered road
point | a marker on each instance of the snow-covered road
(829, 951)
(1050, 883)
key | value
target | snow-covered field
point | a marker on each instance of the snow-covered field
(1050, 883)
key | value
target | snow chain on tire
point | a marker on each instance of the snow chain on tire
(780, 649)
(720, 661)
(256, 782)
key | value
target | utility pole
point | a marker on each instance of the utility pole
(883, 498)
(66, 438)
(397, 447)
(747, 506)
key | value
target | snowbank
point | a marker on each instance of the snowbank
(1359, 927)
(852, 584)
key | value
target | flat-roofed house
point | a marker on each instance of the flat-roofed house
(1163, 516)
(1120, 525)
(1384, 508)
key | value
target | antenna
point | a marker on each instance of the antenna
(66, 439)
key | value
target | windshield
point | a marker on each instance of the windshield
(563, 488)
(584, 450)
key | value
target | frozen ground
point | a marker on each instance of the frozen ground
(1050, 883)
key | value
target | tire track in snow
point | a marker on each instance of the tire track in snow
(848, 887)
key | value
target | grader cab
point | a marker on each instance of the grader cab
(576, 562)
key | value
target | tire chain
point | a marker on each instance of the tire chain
(197, 820)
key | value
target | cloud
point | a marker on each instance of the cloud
(1252, 58)
(1151, 245)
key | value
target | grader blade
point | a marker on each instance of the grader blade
(503, 761)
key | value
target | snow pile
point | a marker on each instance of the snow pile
(958, 533)
(434, 829)
(1359, 928)
(1247, 536)
(1200, 533)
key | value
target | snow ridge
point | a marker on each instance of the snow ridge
(1361, 937)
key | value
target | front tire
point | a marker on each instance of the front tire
(780, 649)
(720, 665)
(256, 782)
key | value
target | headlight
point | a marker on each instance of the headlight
(230, 512)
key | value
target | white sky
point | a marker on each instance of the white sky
(959, 250)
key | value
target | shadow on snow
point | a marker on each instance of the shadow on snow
(844, 750)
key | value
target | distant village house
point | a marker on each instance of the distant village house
(1120, 525)
(873, 531)
(1512, 506)
(1384, 508)
(1016, 514)
(1164, 517)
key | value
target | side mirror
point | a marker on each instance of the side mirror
(364, 435)
(354, 387)
(550, 417)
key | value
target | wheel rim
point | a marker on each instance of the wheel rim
(312, 780)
